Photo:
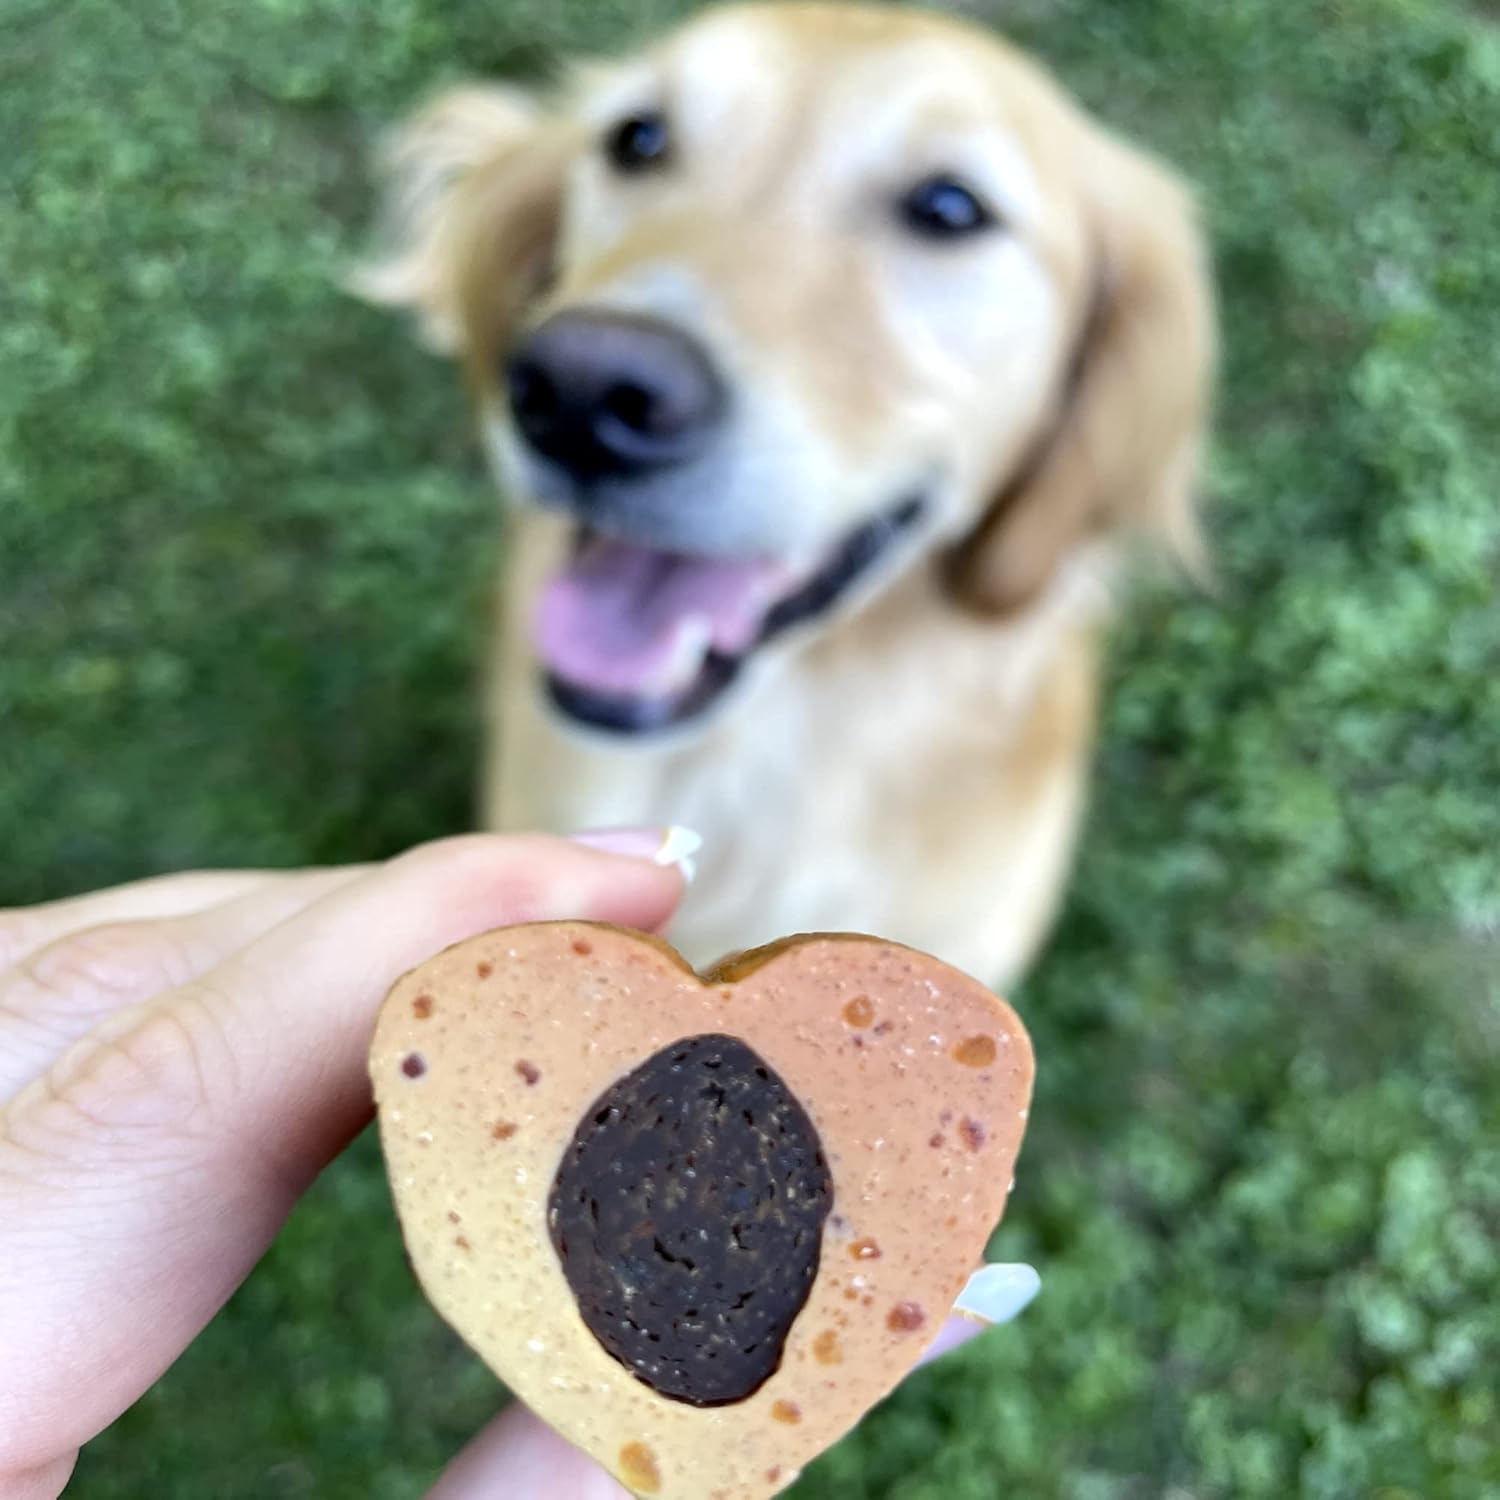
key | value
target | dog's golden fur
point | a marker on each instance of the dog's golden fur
(914, 765)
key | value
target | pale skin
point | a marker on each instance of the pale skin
(179, 1059)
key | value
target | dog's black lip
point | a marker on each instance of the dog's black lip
(624, 714)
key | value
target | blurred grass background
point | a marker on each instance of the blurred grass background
(244, 548)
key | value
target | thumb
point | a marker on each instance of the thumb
(518, 1457)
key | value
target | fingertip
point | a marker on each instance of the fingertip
(955, 1332)
(670, 845)
(509, 878)
(993, 1294)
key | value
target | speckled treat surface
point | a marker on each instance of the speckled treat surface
(915, 1077)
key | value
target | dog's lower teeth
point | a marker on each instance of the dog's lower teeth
(689, 651)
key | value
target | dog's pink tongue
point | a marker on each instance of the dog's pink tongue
(632, 621)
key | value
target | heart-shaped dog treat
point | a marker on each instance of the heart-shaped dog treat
(700, 1225)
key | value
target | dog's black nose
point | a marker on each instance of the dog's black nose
(603, 393)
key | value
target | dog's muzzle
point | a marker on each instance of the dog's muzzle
(642, 631)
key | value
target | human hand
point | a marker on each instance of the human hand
(180, 1058)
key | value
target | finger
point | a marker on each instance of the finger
(25, 929)
(994, 1294)
(150, 1167)
(518, 1456)
(426, 901)
(46, 1483)
(55, 995)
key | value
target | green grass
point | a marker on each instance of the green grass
(245, 541)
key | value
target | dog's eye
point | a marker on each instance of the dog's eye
(638, 143)
(942, 208)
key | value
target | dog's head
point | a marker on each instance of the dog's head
(795, 301)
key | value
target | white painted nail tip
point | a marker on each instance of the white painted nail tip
(678, 846)
(996, 1294)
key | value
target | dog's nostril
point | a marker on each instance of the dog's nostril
(531, 390)
(634, 406)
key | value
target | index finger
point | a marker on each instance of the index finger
(155, 1162)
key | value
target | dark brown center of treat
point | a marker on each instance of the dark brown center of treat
(688, 1215)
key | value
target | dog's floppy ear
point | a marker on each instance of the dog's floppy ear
(1121, 448)
(474, 186)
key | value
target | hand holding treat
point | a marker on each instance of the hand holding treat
(180, 1058)
(699, 1225)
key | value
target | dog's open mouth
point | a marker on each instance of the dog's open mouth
(635, 639)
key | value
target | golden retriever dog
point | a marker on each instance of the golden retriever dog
(830, 357)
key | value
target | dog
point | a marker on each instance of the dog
(835, 362)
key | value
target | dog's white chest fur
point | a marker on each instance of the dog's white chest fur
(920, 779)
